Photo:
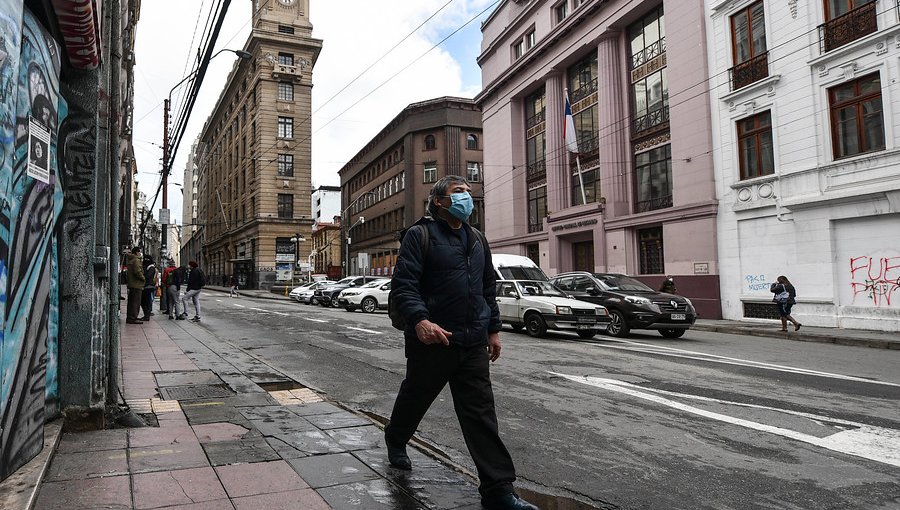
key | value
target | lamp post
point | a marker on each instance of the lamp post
(347, 235)
(297, 239)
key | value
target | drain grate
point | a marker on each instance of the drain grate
(194, 392)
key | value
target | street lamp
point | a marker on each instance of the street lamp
(347, 235)
(297, 239)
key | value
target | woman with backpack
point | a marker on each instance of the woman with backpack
(784, 299)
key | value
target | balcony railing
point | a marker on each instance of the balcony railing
(649, 53)
(849, 27)
(653, 204)
(583, 91)
(750, 71)
(651, 120)
(535, 227)
(535, 119)
(536, 170)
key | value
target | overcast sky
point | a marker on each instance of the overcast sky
(355, 33)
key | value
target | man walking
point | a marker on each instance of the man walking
(196, 280)
(134, 279)
(446, 297)
(150, 274)
(173, 277)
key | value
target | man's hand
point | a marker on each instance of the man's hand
(494, 346)
(430, 333)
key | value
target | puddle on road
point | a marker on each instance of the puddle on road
(286, 384)
(550, 502)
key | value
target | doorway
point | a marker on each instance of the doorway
(583, 256)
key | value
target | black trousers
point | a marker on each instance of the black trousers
(134, 303)
(147, 301)
(428, 369)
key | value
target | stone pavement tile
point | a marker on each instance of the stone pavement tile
(187, 378)
(305, 499)
(314, 408)
(284, 450)
(267, 412)
(220, 504)
(111, 492)
(337, 420)
(311, 442)
(358, 438)
(80, 465)
(255, 449)
(371, 495)
(327, 470)
(166, 458)
(219, 432)
(211, 411)
(181, 487)
(276, 426)
(157, 436)
(74, 442)
(259, 478)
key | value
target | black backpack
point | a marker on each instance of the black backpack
(397, 318)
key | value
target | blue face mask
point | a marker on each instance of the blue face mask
(461, 205)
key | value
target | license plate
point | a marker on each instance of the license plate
(584, 326)
(590, 320)
(679, 317)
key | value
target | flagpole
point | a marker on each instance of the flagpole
(580, 180)
(571, 140)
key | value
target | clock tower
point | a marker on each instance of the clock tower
(292, 12)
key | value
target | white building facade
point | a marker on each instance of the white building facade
(806, 122)
(326, 204)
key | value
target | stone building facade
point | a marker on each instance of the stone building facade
(253, 155)
(385, 186)
(634, 73)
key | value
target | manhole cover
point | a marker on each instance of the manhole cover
(186, 378)
(194, 392)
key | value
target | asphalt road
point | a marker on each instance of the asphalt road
(709, 420)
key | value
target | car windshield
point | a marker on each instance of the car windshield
(535, 288)
(345, 281)
(522, 273)
(376, 283)
(622, 282)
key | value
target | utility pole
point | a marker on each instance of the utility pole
(164, 212)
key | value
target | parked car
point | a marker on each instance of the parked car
(516, 267)
(328, 296)
(304, 293)
(631, 304)
(368, 298)
(538, 306)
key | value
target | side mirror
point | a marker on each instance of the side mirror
(594, 291)
(385, 286)
(353, 284)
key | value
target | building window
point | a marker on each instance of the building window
(285, 91)
(537, 208)
(285, 205)
(755, 146)
(857, 124)
(535, 143)
(847, 21)
(519, 49)
(582, 83)
(285, 165)
(473, 171)
(749, 51)
(286, 59)
(650, 91)
(285, 127)
(472, 142)
(650, 247)
(429, 143)
(284, 29)
(529, 40)
(430, 172)
(653, 172)
(591, 186)
(533, 252)
(561, 10)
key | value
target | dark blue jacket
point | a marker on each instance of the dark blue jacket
(449, 284)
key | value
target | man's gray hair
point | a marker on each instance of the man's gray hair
(440, 189)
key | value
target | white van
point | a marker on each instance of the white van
(516, 267)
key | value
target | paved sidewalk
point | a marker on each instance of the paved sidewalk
(233, 434)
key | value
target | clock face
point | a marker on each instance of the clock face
(287, 2)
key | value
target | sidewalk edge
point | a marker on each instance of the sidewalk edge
(801, 337)
(20, 490)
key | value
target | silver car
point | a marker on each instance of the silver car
(538, 306)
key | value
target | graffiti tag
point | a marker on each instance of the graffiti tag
(756, 282)
(876, 278)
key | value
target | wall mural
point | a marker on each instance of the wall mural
(33, 205)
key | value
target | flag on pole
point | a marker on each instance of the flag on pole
(569, 128)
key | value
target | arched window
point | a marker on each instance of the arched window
(429, 143)
(472, 142)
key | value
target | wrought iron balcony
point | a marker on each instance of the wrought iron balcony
(653, 204)
(535, 227)
(536, 170)
(651, 120)
(750, 71)
(849, 27)
(535, 119)
(583, 91)
(649, 53)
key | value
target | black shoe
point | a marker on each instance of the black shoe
(181, 317)
(196, 318)
(133, 321)
(144, 318)
(508, 501)
(397, 456)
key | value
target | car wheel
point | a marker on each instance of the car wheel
(517, 327)
(369, 305)
(349, 308)
(672, 333)
(334, 301)
(617, 327)
(535, 325)
(312, 301)
(586, 333)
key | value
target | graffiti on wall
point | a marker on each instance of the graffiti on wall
(33, 206)
(875, 280)
(756, 282)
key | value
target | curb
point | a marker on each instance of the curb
(20, 490)
(262, 295)
(805, 337)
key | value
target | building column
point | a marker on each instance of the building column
(614, 126)
(557, 169)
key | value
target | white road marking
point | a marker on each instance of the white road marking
(260, 310)
(314, 320)
(714, 358)
(363, 330)
(239, 306)
(278, 313)
(874, 443)
(219, 300)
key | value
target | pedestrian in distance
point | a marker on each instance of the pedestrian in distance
(668, 286)
(233, 292)
(196, 280)
(173, 278)
(444, 287)
(150, 275)
(134, 279)
(785, 298)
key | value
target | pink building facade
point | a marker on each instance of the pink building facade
(635, 76)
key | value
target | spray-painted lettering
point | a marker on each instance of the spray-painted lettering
(876, 279)
(756, 282)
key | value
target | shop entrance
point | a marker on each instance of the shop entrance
(583, 256)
